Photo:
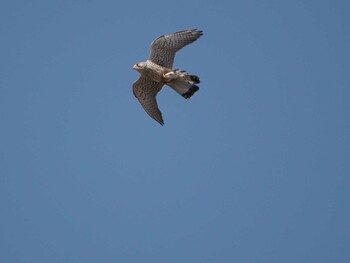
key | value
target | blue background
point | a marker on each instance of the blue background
(254, 168)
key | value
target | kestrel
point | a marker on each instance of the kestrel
(157, 71)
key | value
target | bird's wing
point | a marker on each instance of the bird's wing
(146, 91)
(163, 48)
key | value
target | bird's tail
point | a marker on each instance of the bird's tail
(182, 82)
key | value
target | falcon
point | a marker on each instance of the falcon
(157, 71)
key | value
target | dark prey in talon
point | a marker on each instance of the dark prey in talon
(157, 71)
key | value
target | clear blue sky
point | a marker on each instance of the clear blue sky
(254, 168)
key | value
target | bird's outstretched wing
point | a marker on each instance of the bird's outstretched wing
(146, 91)
(163, 48)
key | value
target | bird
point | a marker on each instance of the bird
(158, 71)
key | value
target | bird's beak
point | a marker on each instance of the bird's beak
(135, 66)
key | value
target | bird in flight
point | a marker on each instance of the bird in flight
(157, 71)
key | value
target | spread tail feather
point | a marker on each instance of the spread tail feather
(185, 89)
(183, 83)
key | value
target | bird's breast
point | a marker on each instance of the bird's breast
(154, 72)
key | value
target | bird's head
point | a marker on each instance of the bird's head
(139, 66)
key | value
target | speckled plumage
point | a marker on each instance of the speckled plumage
(157, 71)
